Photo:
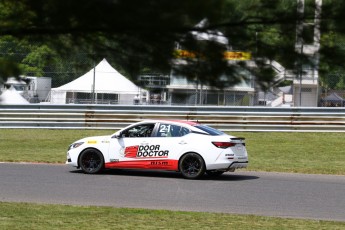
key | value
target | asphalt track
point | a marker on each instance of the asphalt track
(271, 194)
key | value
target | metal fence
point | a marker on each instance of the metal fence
(222, 117)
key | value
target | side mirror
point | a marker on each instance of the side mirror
(117, 135)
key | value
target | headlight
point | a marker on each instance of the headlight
(75, 145)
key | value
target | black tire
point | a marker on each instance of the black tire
(91, 161)
(192, 166)
(214, 173)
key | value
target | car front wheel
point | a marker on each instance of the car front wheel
(91, 161)
(192, 166)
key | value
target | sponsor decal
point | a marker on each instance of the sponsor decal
(242, 56)
(131, 151)
(144, 151)
(92, 142)
(228, 55)
(163, 163)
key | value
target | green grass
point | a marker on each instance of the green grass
(40, 145)
(316, 153)
(38, 216)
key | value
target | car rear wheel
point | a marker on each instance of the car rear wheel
(192, 166)
(91, 161)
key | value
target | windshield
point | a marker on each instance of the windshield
(209, 130)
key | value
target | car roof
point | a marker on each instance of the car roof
(192, 123)
(185, 122)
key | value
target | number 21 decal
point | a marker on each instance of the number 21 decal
(164, 128)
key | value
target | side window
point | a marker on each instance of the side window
(184, 131)
(168, 130)
(144, 130)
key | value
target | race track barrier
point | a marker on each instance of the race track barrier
(225, 118)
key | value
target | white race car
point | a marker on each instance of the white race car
(188, 147)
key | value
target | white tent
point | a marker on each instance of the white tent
(209, 35)
(108, 85)
(12, 97)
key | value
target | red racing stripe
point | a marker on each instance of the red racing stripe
(145, 164)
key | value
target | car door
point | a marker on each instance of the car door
(128, 149)
(172, 139)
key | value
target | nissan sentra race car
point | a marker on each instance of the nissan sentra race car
(184, 146)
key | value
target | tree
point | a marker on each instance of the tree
(137, 33)
(38, 59)
(143, 34)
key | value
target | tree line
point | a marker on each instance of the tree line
(42, 37)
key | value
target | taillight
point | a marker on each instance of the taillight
(223, 145)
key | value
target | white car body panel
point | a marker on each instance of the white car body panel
(161, 151)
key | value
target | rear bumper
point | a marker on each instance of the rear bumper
(227, 166)
(238, 165)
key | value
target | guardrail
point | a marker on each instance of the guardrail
(224, 118)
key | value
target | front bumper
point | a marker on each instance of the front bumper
(70, 161)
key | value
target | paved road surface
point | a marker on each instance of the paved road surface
(272, 194)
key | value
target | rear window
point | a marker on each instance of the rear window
(209, 130)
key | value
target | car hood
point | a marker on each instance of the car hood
(95, 139)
